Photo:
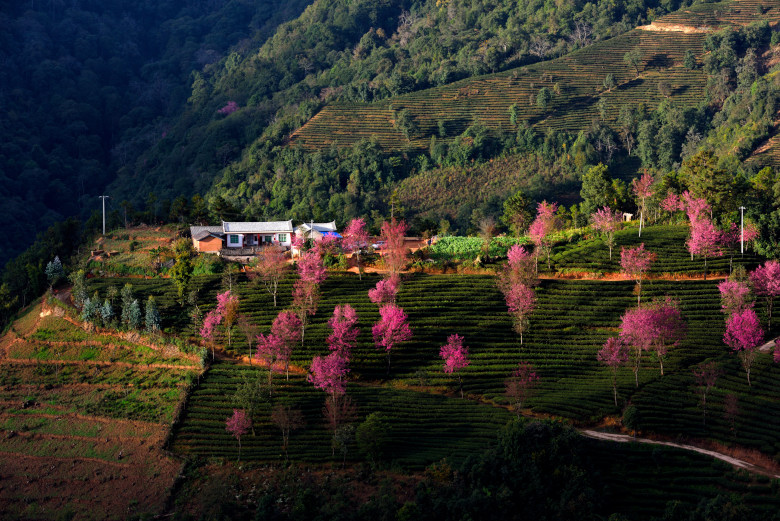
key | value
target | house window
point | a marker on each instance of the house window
(282, 237)
(234, 239)
(268, 238)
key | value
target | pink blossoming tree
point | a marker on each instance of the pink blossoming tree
(543, 228)
(520, 385)
(229, 108)
(385, 291)
(456, 357)
(344, 331)
(393, 232)
(606, 221)
(614, 355)
(270, 350)
(272, 266)
(766, 284)
(658, 326)
(238, 424)
(744, 335)
(635, 262)
(355, 238)
(734, 297)
(519, 269)
(288, 329)
(704, 240)
(521, 302)
(311, 269)
(391, 329)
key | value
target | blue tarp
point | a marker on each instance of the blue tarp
(332, 234)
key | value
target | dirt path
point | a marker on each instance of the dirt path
(142, 366)
(624, 438)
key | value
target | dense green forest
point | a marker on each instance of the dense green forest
(86, 86)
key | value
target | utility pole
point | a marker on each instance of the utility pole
(742, 230)
(104, 197)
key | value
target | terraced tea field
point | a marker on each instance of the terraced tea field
(422, 428)
(577, 80)
(667, 241)
(81, 413)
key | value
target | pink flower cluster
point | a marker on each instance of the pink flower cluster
(454, 354)
(229, 108)
(385, 291)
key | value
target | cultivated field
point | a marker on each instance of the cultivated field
(84, 418)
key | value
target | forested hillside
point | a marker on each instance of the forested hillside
(86, 86)
(351, 51)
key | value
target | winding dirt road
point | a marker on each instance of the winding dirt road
(624, 438)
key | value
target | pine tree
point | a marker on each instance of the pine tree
(152, 316)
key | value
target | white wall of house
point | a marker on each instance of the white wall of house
(235, 240)
(240, 240)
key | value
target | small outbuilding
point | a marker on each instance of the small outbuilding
(207, 238)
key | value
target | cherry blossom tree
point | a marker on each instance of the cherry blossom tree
(672, 203)
(606, 221)
(519, 269)
(636, 330)
(287, 328)
(207, 330)
(643, 190)
(542, 229)
(521, 301)
(744, 335)
(229, 108)
(635, 262)
(706, 375)
(614, 355)
(270, 350)
(311, 269)
(695, 207)
(669, 327)
(734, 297)
(229, 304)
(520, 385)
(455, 356)
(355, 237)
(704, 240)
(393, 232)
(329, 373)
(344, 331)
(658, 326)
(306, 299)
(391, 329)
(238, 424)
(271, 266)
(766, 284)
(385, 291)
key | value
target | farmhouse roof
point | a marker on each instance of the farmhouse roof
(201, 232)
(258, 227)
(318, 227)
